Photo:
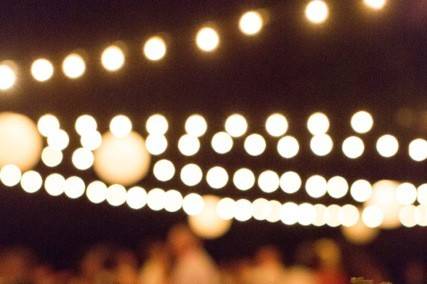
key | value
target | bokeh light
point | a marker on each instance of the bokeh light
(353, 147)
(164, 170)
(58, 139)
(191, 174)
(384, 197)
(54, 184)
(361, 190)
(236, 125)
(217, 177)
(74, 66)
(288, 147)
(91, 140)
(387, 146)
(243, 210)
(82, 159)
(316, 186)
(42, 69)
(222, 143)
(337, 187)
(255, 144)
(173, 200)
(156, 144)
(261, 209)
(418, 150)
(193, 204)
(317, 11)
(157, 124)
(96, 192)
(196, 125)
(290, 182)
(244, 179)
(113, 58)
(268, 181)
(349, 215)
(362, 122)
(207, 39)
(225, 208)
(85, 124)
(321, 145)
(10, 175)
(306, 214)
(47, 124)
(116, 195)
(332, 215)
(372, 216)
(407, 216)
(188, 145)
(422, 194)
(251, 23)
(318, 123)
(320, 217)
(136, 197)
(74, 187)
(406, 193)
(120, 126)
(156, 199)
(31, 181)
(375, 4)
(289, 213)
(7, 77)
(155, 48)
(276, 125)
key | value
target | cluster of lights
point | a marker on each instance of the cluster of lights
(57, 140)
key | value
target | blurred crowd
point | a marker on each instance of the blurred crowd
(182, 259)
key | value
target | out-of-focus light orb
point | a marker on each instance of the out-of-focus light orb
(113, 58)
(222, 143)
(320, 218)
(332, 215)
(122, 160)
(268, 181)
(196, 125)
(225, 208)
(193, 204)
(207, 224)
(164, 170)
(20, 142)
(7, 77)
(289, 213)
(255, 144)
(353, 147)
(407, 216)
(288, 147)
(42, 70)
(31, 181)
(82, 159)
(217, 177)
(384, 197)
(47, 124)
(191, 174)
(418, 150)
(188, 145)
(85, 124)
(116, 195)
(422, 194)
(406, 193)
(337, 187)
(361, 190)
(372, 216)
(136, 197)
(317, 11)
(173, 200)
(362, 122)
(54, 184)
(74, 66)
(318, 123)
(375, 4)
(261, 209)
(58, 139)
(236, 125)
(306, 214)
(157, 124)
(244, 179)
(120, 126)
(74, 187)
(91, 140)
(321, 145)
(276, 125)
(421, 215)
(360, 234)
(96, 192)
(251, 23)
(156, 144)
(387, 146)
(274, 213)
(349, 215)
(316, 186)
(156, 199)
(290, 182)
(243, 210)
(10, 175)
(155, 48)
(207, 39)
(51, 157)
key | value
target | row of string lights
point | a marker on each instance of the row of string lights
(113, 58)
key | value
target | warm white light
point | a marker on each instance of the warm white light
(317, 11)
(47, 124)
(321, 145)
(120, 126)
(318, 123)
(191, 174)
(349, 215)
(91, 140)
(10, 175)
(361, 190)
(116, 195)
(54, 184)
(7, 77)
(82, 159)
(387, 146)
(157, 124)
(58, 139)
(225, 208)
(261, 209)
(268, 181)
(290, 182)
(74, 187)
(136, 197)
(316, 186)
(51, 157)
(244, 179)
(337, 187)
(275, 211)
(113, 58)
(406, 193)
(188, 145)
(31, 181)
(362, 122)
(243, 211)
(193, 204)
(407, 216)
(42, 70)
(236, 125)
(85, 124)
(155, 48)
(332, 215)
(96, 192)
(289, 213)
(222, 143)
(156, 199)
(384, 197)
(288, 147)
(207, 39)
(353, 147)
(418, 150)
(251, 23)
(217, 177)
(276, 125)
(255, 144)
(372, 216)
(73, 66)
(164, 170)
(422, 194)
(196, 125)
(173, 201)
(320, 217)
(156, 144)
(375, 4)
(306, 214)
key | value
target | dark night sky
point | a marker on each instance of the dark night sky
(359, 59)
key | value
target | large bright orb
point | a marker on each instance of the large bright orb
(20, 142)
(42, 70)
(359, 234)
(74, 66)
(207, 39)
(155, 48)
(317, 12)
(251, 23)
(207, 224)
(122, 160)
(113, 58)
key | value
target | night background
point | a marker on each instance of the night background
(359, 59)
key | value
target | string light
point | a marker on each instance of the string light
(406, 193)
(222, 143)
(207, 39)
(255, 144)
(321, 145)
(407, 216)
(31, 181)
(156, 144)
(236, 125)
(82, 159)
(96, 192)
(188, 145)
(54, 184)
(332, 215)
(120, 126)
(173, 201)
(85, 124)
(418, 150)
(243, 211)
(375, 4)
(349, 215)
(74, 187)
(217, 177)
(91, 140)
(155, 199)
(116, 195)
(289, 213)
(10, 175)
(306, 214)
(318, 123)
(48, 124)
(268, 181)
(290, 182)
(113, 58)
(157, 124)
(155, 48)
(353, 147)
(387, 146)
(193, 204)
(337, 187)
(73, 66)
(317, 11)
(320, 217)
(136, 197)
(276, 125)
(261, 209)
(316, 186)
(164, 170)
(362, 122)
(372, 216)
(251, 23)
(225, 208)
(7, 77)
(51, 157)
(191, 174)
(58, 139)
(42, 70)
(288, 147)
(361, 190)
(196, 125)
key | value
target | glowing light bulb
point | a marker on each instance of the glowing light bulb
(276, 125)
(407, 216)
(236, 125)
(321, 145)
(320, 217)
(217, 177)
(157, 124)
(73, 66)
(156, 144)
(244, 179)
(362, 122)
(332, 215)
(353, 147)
(191, 174)
(361, 190)
(290, 182)
(42, 70)
(54, 184)
(31, 181)
(243, 211)
(337, 187)
(289, 213)
(51, 157)
(85, 124)
(96, 192)
(58, 139)
(225, 208)
(173, 200)
(188, 145)
(91, 140)
(164, 170)
(372, 216)
(136, 197)
(155, 48)
(222, 143)
(306, 214)
(196, 125)
(47, 124)
(156, 199)
(10, 175)
(349, 215)
(288, 147)
(120, 126)
(316, 186)
(418, 150)
(113, 58)
(207, 39)
(82, 159)
(268, 181)
(318, 123)
(251, 23)
(317, 11)
(261, 209)
(74, 187)
(7, 77)
(255, 144)
(193, 204)
(375, 4)
(406, 193)
(116, 195)
(387, 146)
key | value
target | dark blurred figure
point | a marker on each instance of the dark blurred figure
(330, 269)
(16, 265)
(156, 266)
(268, 267)
(415, 273)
